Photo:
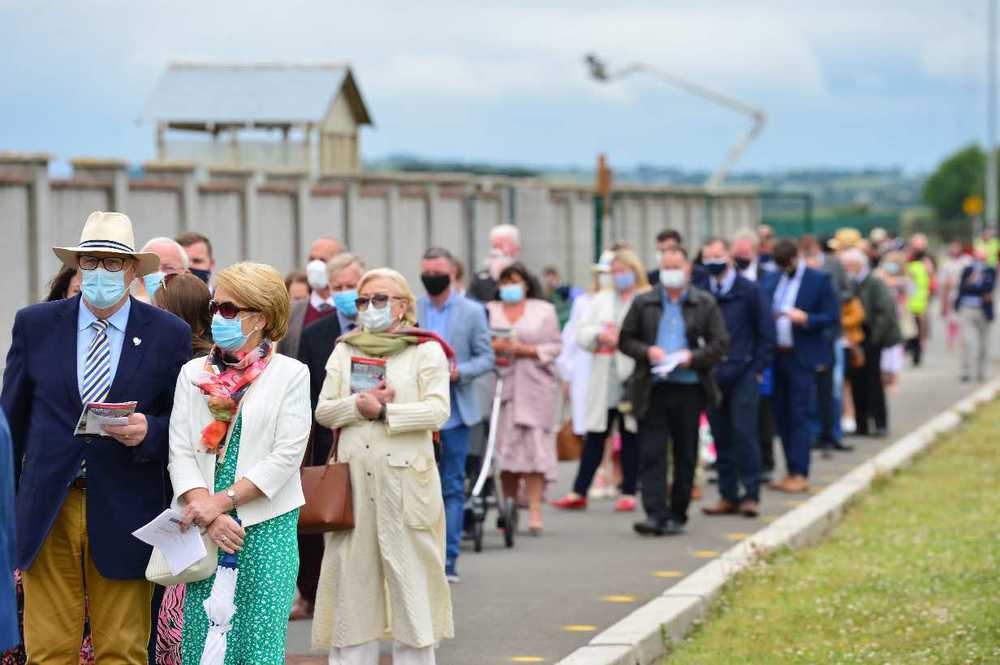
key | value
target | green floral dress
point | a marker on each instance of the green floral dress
(265, 588)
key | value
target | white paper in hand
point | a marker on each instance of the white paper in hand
(181, 549)
(670, 363)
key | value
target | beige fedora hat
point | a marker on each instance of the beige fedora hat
(109, 233)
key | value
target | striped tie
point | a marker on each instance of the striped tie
(97, 370)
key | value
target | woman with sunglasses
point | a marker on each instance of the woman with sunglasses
(237, 435)
(389, 570)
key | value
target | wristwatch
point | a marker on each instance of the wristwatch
(232, 497)
(381, 413)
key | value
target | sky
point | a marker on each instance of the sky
(851, 83)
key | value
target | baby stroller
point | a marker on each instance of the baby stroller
(484, 493)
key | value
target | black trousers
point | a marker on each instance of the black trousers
(824, 404)
(593, 453)
(765, 430)
(868, 392)
(672, 418)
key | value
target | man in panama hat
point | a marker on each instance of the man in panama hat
(80, 497)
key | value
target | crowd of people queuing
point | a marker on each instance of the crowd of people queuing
(241, 376)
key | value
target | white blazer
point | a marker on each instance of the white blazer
(276, 420)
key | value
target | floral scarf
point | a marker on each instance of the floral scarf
(224, 383)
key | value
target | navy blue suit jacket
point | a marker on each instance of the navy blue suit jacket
(813, 342)
(750, 323)
(126, 487)
(982, 289)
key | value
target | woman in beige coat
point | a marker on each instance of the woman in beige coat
(607, 402)
(385, 578)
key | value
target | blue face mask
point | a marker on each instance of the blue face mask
(153, 281)
(344, 302)
(228, 333)
(624, 280)
(512, 293)
(101, 288)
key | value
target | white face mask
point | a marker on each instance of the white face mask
(376, 320)
(673, 279)
(316, 274)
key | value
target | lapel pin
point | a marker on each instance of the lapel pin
(136, 341)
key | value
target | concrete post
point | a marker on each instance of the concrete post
(113, 172)
(432, 214)
(34, 168)
(299, 180)
(352, 218)
(398, 241)
(185, 174)
(247, 179)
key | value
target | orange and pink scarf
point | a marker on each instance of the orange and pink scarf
(224, 382)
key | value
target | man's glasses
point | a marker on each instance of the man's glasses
(380, 300)
(110, 263)
(228, 310)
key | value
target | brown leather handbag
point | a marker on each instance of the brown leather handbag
(569, 446)
(327, 488)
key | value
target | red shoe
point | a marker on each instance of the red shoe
(625, 504)
(569, 503)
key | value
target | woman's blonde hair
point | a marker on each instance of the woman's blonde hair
(260, 287)
(410, 315)
(632, 262)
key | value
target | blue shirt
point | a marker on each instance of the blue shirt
(671, 335)
(439, 321)
(346, 324)
(722, 288)
(85, 337)
(785, 295)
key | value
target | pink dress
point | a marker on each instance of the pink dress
(526, 437)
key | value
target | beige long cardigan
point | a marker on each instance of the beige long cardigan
(385, 578)
(601, 312)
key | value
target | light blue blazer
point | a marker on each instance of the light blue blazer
(469, 331)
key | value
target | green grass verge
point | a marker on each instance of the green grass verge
(911, 576)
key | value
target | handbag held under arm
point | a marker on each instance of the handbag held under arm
(327, 491)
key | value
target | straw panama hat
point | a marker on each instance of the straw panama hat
(845, 239)
(109, 233)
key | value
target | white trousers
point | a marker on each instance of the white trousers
(367, 654)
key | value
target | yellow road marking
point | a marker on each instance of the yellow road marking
(527, 659)
(767, 519)
(794, 503)
(579, 628)
(619, 599)
(737, 536)
(705, 554)
(668, 573)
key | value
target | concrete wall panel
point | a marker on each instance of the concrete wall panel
(219, 219)
(272, 237)
(154, 213)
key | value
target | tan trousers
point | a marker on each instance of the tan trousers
(54, 590)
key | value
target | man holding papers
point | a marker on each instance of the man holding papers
(79, 498)
(676, 335)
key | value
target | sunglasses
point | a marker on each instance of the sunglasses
(228, 310)
(380, 300)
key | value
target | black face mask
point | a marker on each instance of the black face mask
(789, 269)
(435, 283)
(742, 263)
(203, 275)
(715, 268)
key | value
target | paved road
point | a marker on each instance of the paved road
(552, 594)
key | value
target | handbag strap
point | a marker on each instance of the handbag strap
(307, 459)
